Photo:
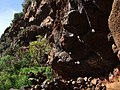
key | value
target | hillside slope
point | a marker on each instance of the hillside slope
(77, 31)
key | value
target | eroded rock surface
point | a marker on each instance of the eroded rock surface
(77, 31)
(84, 37)
(114, 22)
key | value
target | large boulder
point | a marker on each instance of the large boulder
(114, 22)
(82, 40)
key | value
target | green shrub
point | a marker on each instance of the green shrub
(6, 63)
(27, 70)
(8, 81)
(23, 59)
(15, 69)
(14, 74)
(26, 3)
(17, 80)
(17, 16)
(47, 71)
(38, 49)
(5, 83)
(22, 80)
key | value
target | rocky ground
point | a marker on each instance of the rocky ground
(81, 83)
(74, 84)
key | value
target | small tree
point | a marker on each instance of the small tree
(17, 16)
(38, 49)
(26, 3)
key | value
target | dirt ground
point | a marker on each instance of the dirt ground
(114, 85)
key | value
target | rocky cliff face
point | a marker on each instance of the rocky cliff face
(114, 23)
(77, 30)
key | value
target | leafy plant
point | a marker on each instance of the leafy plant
(46, 70)
(19, 79)
(15, 68)
(38, 49)
(26, 3)
(17, 16)
(22, 80)
(8, 81)
(4, 79)
(6, 63)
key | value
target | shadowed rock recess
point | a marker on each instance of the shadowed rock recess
(77, 30)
